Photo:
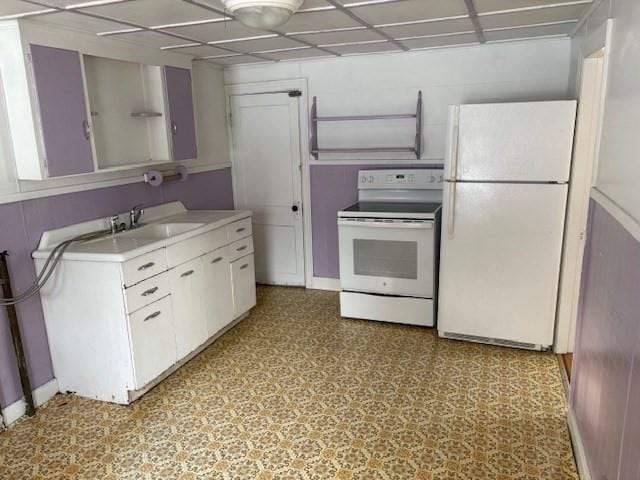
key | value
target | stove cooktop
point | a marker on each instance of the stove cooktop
(391, 210)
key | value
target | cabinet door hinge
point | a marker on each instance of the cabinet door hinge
(230, 119)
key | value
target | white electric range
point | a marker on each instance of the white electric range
(389, 244)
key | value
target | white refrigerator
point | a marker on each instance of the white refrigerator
(507, 170)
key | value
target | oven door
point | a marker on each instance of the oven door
(393, 257)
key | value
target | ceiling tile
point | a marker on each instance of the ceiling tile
(303, 22)
(151, 39)
(441, 41)
(409, 10)
(80, 22)
(497, 5)
(297, 54)
(364, 48)
(154, 12)
(275, 43)
(530, 32)
(314, 4)
(430, 28)
(236, 60)
(532, 17)
(211, 32)
(345, 36)
(201, 51)
(13, 7)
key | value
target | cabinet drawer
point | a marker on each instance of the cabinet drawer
(240, 229)
(147, 291)
(195, 247)
(243, 280)
(152, 340)
(144, 266)
(240, 248)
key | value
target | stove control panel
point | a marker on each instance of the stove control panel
(401, 179)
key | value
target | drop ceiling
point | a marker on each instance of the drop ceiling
(321, 28)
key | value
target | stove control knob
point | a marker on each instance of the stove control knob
(371, 179)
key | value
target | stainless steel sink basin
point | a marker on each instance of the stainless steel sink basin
(161, 230)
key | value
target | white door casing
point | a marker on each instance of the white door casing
(265, 131)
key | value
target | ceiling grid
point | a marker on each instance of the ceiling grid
(206, 32)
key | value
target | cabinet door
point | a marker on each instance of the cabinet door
(63, 110)
(183, 127)
(188, 295)
(219, 293)
(243, 280)
(152, 341)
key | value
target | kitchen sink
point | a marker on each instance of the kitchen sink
(161, 230)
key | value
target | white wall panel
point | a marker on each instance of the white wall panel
(531, 70)
(618, 174)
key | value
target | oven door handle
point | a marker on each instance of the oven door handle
(399, 225)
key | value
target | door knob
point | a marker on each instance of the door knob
(294, 208)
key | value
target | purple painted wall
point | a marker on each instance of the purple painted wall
(333, 187)
(605, 392)
(22, 224)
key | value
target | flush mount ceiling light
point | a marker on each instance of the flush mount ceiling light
(264, 14)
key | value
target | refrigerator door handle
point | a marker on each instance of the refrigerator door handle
(451, 214)
(454, 153)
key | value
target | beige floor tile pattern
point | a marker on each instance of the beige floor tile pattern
(296, 392)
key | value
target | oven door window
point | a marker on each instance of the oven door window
(385, 258)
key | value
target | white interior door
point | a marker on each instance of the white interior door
(267, 180)
(513, 142)
(500, 260)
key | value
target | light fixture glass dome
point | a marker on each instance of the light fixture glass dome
(263, 14)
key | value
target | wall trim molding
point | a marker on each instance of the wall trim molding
(41, 395)
(130, 177)
(629, 223)
(323, 283)
(578, 447)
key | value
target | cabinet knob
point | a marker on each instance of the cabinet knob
(151, 291)
(187, 273)
(246, 265)
(216, 260)
(146, 266)
(239, 249)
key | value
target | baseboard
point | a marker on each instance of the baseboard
(41, 395)
(578, 447)
(322, 283)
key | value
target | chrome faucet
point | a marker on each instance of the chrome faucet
(115, 226)
(134, 216)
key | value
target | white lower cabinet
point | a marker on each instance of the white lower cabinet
(153, 343)
(188, 296)
(243, 280)
(116, 328)
(219, 293)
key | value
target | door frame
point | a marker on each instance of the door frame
(594, 64)
(282, 86)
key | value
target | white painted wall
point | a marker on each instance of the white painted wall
(209, 99)
(388, 83)
(618, 174)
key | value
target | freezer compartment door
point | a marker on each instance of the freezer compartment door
(528, 142)
(500, 260)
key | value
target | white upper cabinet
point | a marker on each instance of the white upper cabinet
(73, 112)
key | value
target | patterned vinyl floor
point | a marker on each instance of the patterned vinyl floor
(296, 392)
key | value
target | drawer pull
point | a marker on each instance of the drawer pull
(187, 273)
(146, 266)
(216, 260)
(153, 315)
(151, 291)
(246, 265)
(239, 249)
(240, 230)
